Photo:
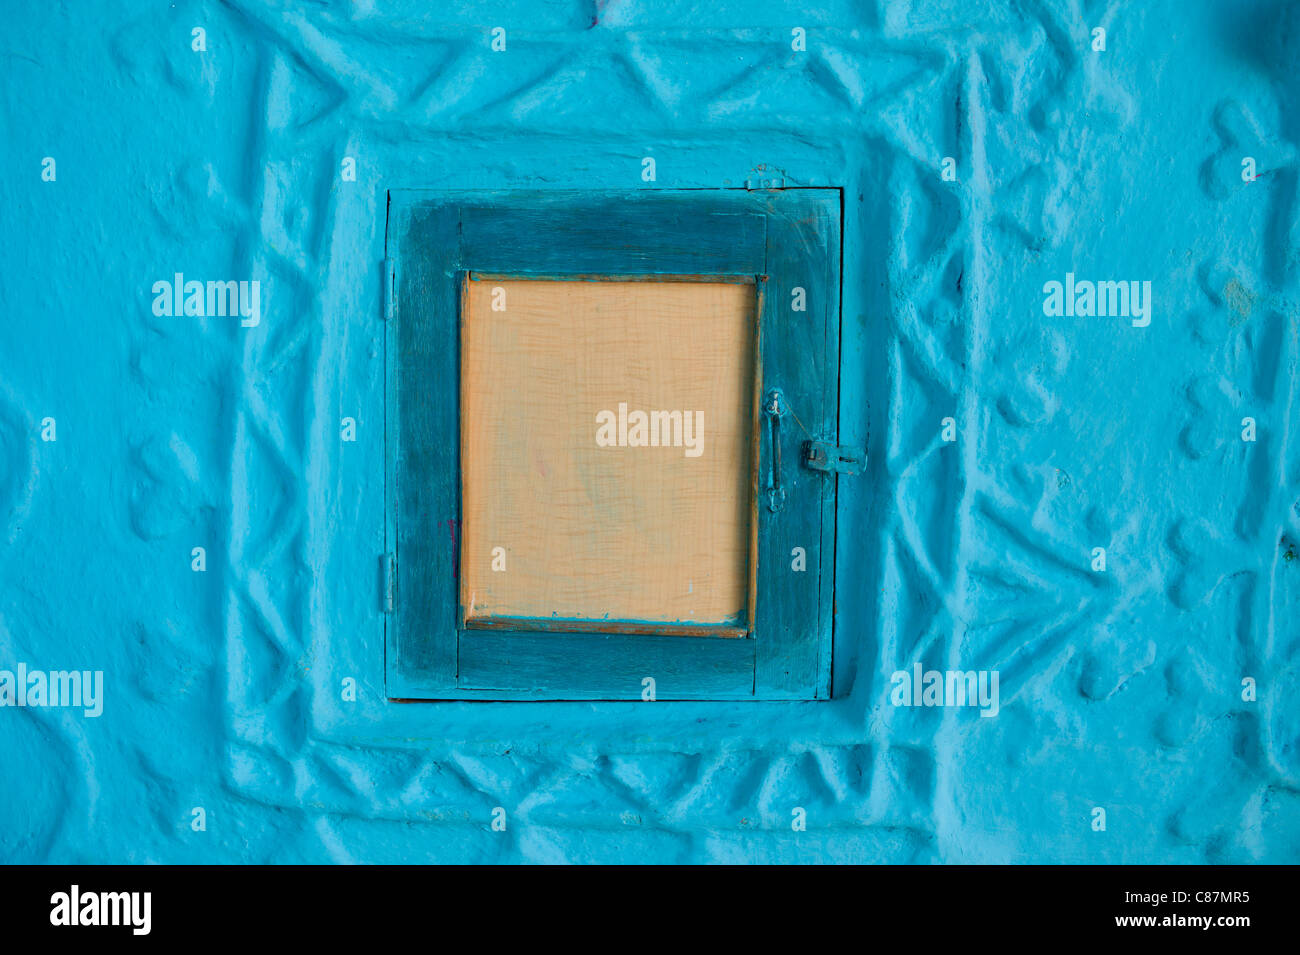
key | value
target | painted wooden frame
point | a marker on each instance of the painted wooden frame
(789, 242)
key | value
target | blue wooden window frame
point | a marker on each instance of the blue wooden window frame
(785, 240)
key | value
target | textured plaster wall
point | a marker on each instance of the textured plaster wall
(1120, 689)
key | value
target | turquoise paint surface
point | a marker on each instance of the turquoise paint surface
(1120, 689)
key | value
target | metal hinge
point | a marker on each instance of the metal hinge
(824, 456)
(387, 576)
(390, 289)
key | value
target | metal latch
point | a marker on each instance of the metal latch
(824, 456)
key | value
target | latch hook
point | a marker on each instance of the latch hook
(824, 456)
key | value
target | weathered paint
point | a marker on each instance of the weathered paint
(440, 241)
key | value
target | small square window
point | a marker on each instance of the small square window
(606, 453)
(611, 444)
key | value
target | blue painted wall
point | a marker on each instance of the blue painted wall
(1120, 689)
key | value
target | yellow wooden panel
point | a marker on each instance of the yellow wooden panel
(592, 516)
